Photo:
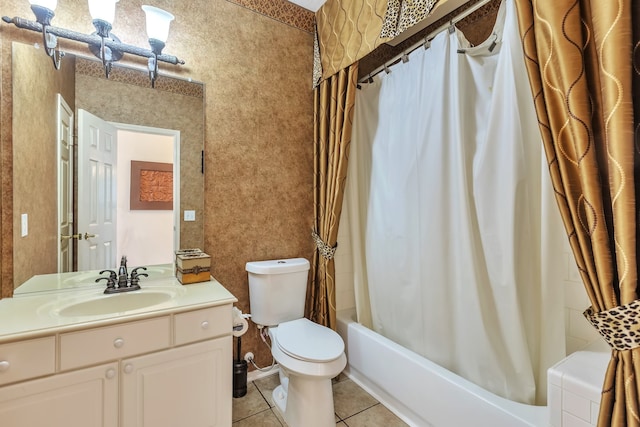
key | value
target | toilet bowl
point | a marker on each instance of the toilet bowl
(309, 355)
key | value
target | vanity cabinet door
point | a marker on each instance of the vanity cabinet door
(84, 398)
(185, 386)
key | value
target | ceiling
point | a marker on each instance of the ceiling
(312, 5)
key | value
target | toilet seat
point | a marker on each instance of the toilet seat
(305, 340)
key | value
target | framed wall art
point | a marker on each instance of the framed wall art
(151, 186)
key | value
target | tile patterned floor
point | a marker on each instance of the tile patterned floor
(353, 406)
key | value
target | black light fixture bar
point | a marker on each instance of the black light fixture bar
(91, 39)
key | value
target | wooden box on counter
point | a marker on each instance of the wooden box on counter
(192, 267)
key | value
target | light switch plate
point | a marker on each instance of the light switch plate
(189, 215)
(24, 224)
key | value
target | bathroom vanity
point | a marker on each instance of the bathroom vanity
(75, 357)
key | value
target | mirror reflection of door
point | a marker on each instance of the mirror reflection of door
(65, 186)
(105, 152)
(96, 192)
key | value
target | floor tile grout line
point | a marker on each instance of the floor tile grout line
(359, 412)
(251, 415)
(276, 416)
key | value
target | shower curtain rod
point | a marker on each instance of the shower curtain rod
(426, 42)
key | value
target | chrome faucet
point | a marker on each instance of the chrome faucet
(122, 282)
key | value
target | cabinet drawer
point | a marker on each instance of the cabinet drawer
(113, 342)
(27, 359)
(202, 324)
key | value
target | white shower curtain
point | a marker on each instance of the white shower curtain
(457, 242)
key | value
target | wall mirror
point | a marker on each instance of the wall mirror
(58, 108)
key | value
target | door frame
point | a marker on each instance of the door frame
(63, 107)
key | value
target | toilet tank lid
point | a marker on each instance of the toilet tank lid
(278, 266)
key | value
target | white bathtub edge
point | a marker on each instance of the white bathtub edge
(449, 393)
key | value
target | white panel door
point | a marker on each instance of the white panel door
(96, 192)
(65, 186)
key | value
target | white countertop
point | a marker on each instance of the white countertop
(34, 310)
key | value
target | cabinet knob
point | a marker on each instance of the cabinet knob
(128, 368)
(118, 342)
(111, 373)
(205, 325)
(4, 365)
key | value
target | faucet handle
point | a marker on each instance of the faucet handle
(112, 275)
(111, 283)
(135, 276)
(134, 272)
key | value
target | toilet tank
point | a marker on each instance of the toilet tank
(277, 290)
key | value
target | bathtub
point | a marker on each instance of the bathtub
(422, 393)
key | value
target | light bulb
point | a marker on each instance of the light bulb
(104, 10)
(49, 4)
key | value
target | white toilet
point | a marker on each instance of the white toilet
(309, 354)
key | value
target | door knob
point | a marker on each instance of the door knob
(88, 236)
(73, 236)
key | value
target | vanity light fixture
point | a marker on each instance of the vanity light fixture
(102, 43)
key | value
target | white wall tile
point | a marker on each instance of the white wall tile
(575, 344)
(579, 327)
(569, 420)
(595, 411)
(576, 405)
(345, 300)
(554, 402)
(344, 262)
(575, 296)
(345, 296)
(573, 274)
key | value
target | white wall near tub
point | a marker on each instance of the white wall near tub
(578, 332)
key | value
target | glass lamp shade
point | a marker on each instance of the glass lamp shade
(104, 10)
(158, 22)
(49, 4)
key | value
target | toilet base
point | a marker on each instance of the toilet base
(308, 402)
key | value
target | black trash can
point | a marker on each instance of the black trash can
(239, 378)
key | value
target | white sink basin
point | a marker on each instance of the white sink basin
(116, 303)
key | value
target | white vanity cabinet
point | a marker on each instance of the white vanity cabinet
(173, 369)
